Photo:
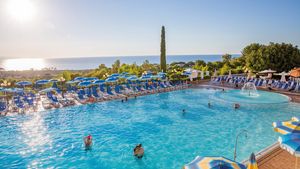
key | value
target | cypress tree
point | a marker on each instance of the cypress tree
(163, 62)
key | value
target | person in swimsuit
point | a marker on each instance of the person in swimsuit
(88, 141)
(138, 151)
(236, 106)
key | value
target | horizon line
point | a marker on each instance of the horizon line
(69, 57)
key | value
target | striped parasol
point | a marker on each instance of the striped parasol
(295, 72)
(287, 127)
(24, 83)
(252, 162)
(85, 84)
(213, 163)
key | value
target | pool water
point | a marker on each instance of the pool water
(54, 139)
(259, 97)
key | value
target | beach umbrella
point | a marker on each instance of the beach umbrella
(215, 73)
(85, 84)
(24, 83)
(229, 74)
(54, 85)
(90, 78)
(72, 81)
(12, 90)
(124, 74)
(98, 81)
(286, 127)
(267, 71)
(252, 162)
(79, 78)
(295, 72)
(132, 78)
(147, 73)
(53, 80)
(186, 73)
(162, 73)
(155, 77)
(213, 163)
(202, 74)
(114, 75)
(283, 74)
(111, 80)
(50, 89)
(145, 77)
(42, 82)
(291, 143)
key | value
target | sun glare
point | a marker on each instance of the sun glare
(23, 64)
(21, 10)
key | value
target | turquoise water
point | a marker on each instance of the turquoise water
(53, 139)
(258, 97)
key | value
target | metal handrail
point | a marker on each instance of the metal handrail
(236, 141)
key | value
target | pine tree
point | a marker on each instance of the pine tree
(163, 62)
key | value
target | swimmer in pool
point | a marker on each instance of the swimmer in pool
(236, 106)
(88, 141)
(183, 112)
(138, 151)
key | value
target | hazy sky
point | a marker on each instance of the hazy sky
(65, 28)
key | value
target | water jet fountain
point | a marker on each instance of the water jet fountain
(249, 89)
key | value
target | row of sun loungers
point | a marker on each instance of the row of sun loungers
(24, 102)
(20, 103)
(290, 85)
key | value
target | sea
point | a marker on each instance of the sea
(82, 63)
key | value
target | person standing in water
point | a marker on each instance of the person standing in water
(88, 141)
(138, 151)
(183, 112)
(236, 106)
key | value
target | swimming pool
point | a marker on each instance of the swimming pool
(53, 139)
(260, 97)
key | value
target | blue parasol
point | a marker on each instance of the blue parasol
(50, 89)
(72, 81)
(54, 85)
(84, 84)
(90, 78)
(98, 81)
(42, 82)
(78, 78)
(12, 90)
(23, 83)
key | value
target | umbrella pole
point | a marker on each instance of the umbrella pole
(296, 162)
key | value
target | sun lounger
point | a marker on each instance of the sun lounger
(3, 108)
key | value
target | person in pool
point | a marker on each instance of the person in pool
(183, 111)
(236, 106)
(138, 151)
(88, 141)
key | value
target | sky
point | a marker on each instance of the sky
(78, 28)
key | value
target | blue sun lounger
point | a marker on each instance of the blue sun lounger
(3, 107)
(117, 89)
(95, 93)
